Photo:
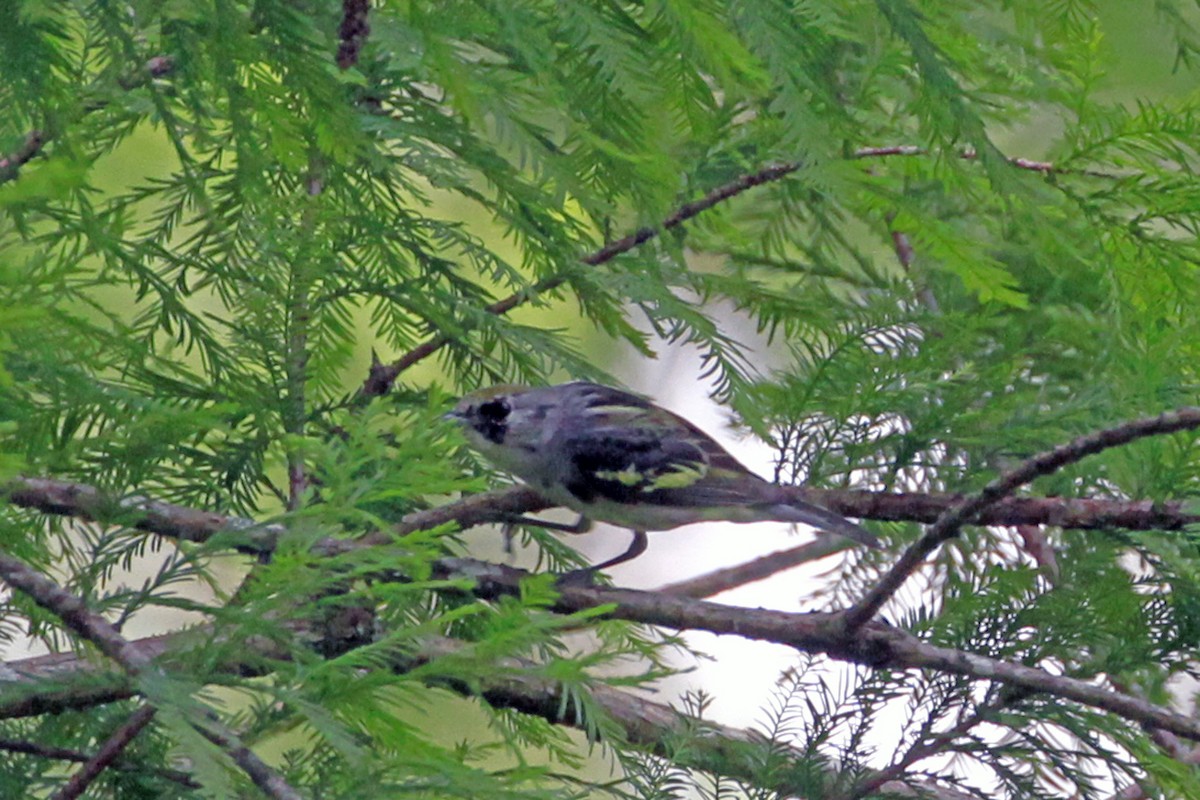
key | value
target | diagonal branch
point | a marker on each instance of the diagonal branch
(107, 754)
(92, 627)
(36, 140)
(76, 756)
(962, 512)
(381, 376)
(722, 580)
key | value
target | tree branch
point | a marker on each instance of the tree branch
(874, 644)
(88, 625)
(381, 376)
(513, 684)
(353, 32)
(11, 164)
(67, 498)
(722, 580)
(107, 754)
(36, 140)
(67, 754)
(953, 518)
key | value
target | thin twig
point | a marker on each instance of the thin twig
(907, 256)
(79, 757)
(953, 518)
(381, 377)
(107, 754)
(295, 357)
(933, 746)
(36, 140)
(969, 154)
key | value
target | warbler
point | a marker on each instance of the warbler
(616, 457)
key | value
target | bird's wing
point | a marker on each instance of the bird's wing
(639, 412)
(625, 464)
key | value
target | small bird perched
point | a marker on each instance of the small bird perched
(618, 458)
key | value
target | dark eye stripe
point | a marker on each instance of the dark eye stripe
(494, 411)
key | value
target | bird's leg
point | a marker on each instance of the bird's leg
(584, 576)
(581, 525)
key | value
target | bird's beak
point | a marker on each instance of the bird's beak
(454, 415)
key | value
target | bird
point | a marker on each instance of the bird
(616, 457)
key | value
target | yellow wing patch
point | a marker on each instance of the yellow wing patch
(630, 476)
(676, 476)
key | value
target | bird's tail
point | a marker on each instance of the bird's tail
(799, 511)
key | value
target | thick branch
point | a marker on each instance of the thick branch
(876, 645)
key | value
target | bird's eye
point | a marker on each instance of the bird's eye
(494, 410)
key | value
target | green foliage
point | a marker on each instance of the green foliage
(207, 229)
